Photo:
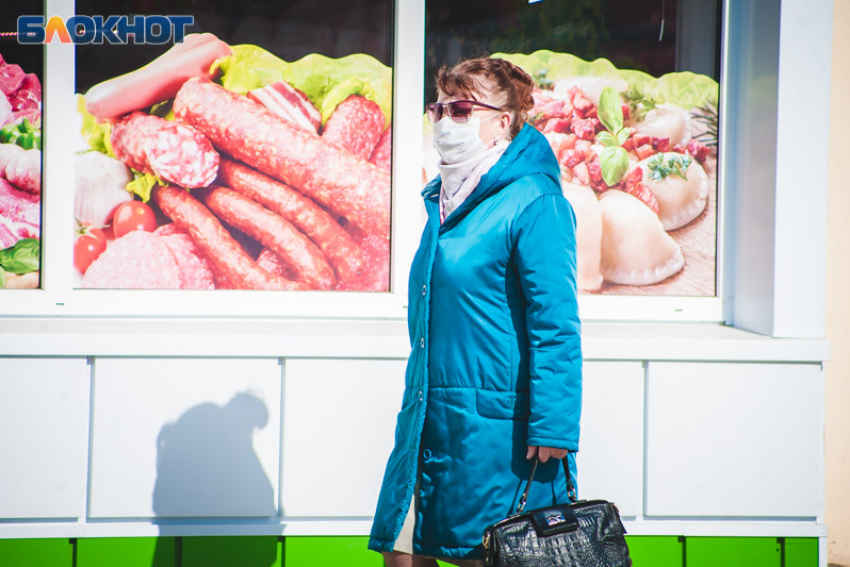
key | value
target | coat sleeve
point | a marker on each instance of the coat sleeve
(545, 249)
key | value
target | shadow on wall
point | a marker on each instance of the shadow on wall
(207, 468)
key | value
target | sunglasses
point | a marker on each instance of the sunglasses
(458, 110)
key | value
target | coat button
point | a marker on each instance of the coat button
(422, 342)
(421, 396)
(426, 454)
(424, 287)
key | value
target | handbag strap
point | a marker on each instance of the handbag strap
(571, 491)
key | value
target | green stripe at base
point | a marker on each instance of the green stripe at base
(332, 551)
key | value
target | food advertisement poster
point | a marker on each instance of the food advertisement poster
(634, 130)
(21, 77)
(244, 146)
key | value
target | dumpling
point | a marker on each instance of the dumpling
(635, 248)
(588, 234)
(680, 199)
(666, 122)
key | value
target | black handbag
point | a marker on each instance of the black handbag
(585, 533)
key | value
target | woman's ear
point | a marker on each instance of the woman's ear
(505, 122)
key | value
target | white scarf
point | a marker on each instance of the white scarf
(460, 180)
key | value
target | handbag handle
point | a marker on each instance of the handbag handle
(571, 491)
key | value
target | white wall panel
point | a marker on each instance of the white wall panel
(43, 437)
(734, 440)
(339, 423)
(185, 437)
(610, 457)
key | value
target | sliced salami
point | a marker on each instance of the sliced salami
(194, 266)
(137, 260)
(172, 151)
(356, 126)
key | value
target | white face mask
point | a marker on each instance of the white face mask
(457, 142)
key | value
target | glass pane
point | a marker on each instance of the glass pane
(21, 77)
(639, 170)
(254, 154)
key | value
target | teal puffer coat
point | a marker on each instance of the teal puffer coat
(496, 360)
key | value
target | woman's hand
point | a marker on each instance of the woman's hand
(543, 453)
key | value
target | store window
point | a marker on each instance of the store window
(254, 154)
(628, 94)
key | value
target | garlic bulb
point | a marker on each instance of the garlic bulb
(99, 187)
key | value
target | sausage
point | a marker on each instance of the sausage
(226, 255)
(157, 81)
(339, 247)
(236, 125)
(273, 231)
(383, 154)
(355, 125)
(174, 152)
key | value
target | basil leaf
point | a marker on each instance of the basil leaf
(606, 139)
(2, 278)
(614, 161)
(622, 136)
(21, 258)
(610, 110)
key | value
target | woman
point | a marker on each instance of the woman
(494, 376)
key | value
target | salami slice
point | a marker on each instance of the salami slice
(172, 151)
(347, 185)
(137, 260)
(192, 263)
(355, 125)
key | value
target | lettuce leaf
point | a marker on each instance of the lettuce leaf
(96, 134)
(324, 80)
(143, 184)
(683, 89)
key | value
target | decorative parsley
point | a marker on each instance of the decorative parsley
(662, 166)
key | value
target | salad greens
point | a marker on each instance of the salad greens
(96, 134)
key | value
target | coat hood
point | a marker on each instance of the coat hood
(528, 153)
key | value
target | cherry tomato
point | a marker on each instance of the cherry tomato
(87, 247)
(133, 215)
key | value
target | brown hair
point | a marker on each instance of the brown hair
(510, 85)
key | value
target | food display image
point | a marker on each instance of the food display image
(638, 158)
(221, 166)
(20, 176)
